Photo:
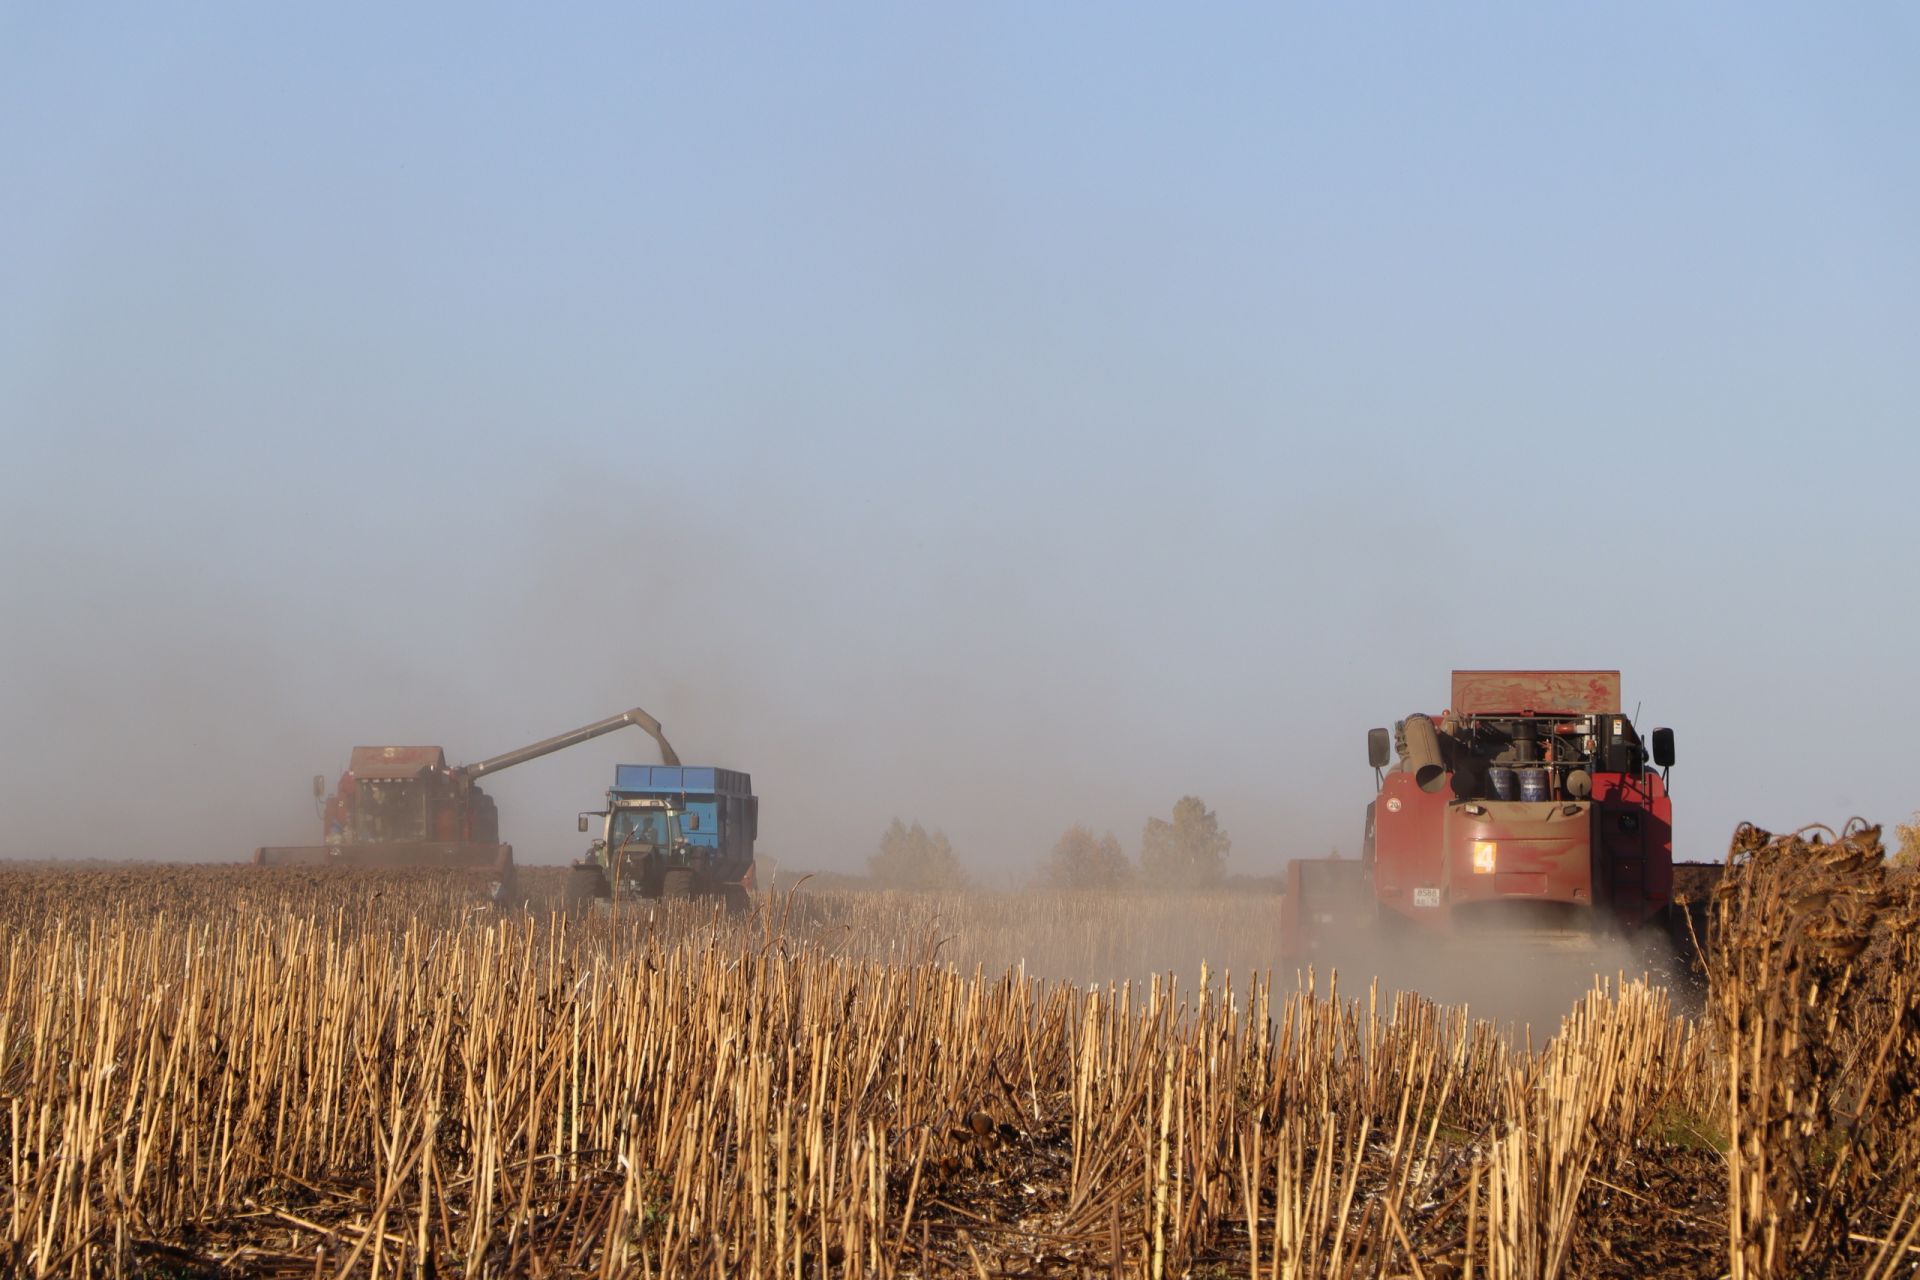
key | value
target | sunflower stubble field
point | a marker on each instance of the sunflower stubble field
(234, 1072)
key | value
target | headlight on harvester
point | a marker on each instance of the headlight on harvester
(1483, 852)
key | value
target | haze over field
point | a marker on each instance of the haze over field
(997, 417)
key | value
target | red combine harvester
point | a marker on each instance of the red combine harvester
(1530, 811)
(399, 807)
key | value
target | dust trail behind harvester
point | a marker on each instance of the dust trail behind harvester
(1523, 988)
(1098, 939)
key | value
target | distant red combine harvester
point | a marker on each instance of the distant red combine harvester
(398, 807)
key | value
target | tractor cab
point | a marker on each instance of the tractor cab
(652, 825)
(640, 837)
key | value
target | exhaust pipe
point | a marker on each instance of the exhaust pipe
(1423, 753)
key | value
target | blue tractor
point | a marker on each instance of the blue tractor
(669, 831)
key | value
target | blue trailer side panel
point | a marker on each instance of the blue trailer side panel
(701, 827)
(681, 779)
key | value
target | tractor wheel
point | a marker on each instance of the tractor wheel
(677, 882)
(738, 900)
(584, 886)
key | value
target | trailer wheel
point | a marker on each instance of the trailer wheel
(677, 882)
(584, 885)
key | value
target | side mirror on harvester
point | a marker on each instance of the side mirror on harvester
(1663, 748)
(1379, 748)
(319, 786)
(583, 822)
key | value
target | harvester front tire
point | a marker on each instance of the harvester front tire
(738, 900)
(677, 882)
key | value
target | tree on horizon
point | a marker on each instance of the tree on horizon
(911, 858)
(1188, 852)
(1083, 861)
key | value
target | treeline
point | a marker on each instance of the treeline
(1188, 849)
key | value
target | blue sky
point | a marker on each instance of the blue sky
(1000, 416)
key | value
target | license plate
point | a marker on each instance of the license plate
(1426, 897)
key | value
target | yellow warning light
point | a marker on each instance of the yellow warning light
(1483, 851)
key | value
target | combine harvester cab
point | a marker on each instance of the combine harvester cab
(403, 808)
(670, 831)
(1530, 813)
